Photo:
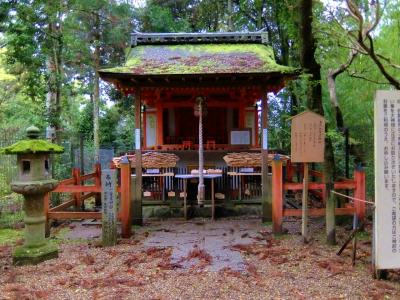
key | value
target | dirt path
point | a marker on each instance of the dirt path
(226, 259)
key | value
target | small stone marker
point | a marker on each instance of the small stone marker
(109, 207)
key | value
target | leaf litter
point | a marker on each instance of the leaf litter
(281, 267)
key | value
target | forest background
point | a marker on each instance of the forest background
(50, 52)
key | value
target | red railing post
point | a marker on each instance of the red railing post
(359, 193)
(290, 170)
(76, 174)
(277, 195)
(125, 210)
(97, 181)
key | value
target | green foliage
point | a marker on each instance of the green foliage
(155, 18)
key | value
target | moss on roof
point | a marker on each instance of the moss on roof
(32, 146)
(200, 59)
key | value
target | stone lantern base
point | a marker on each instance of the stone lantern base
(24, 255)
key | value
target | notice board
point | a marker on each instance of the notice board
(387, 180)
(240, 137)
(307, 137)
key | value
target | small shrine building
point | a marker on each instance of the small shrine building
(232, 71)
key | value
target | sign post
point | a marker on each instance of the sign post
(307, 145)
(109, 207)
(387, 181)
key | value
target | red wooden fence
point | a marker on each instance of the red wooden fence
(80, 192)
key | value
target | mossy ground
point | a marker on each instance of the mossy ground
(10, 236)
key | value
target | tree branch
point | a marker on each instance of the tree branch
(367, 79)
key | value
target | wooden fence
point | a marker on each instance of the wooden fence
(80, 190)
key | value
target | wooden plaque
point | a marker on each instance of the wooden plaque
(308, 137)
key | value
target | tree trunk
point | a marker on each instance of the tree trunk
(314, 102)
(307, 57)
(96, 104)
(96, 94)
(230, 14)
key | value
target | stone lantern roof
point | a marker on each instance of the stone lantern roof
(32, 145)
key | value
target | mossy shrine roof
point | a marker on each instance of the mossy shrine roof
(203, 55)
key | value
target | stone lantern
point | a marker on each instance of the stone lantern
(33, 182)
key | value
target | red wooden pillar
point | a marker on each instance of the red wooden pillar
(137, 217)
(160, 129)
(242, 115)
(277, 195)
(265, 179)
(256, 142)
(97, 182)
(76, 174)
(359, 193)
(144, 130)
(290, 170)
(125, 210)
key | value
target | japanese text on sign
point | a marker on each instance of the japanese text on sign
(387, 179)
(308, 137)
(109, 207)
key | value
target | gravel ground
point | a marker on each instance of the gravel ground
(226, 259)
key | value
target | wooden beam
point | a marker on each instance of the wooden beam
(265, 182)
(76, 174)
(277, 195)
(97, 182)
(77, 189)
(67, 181)
(89, 195)
(345, 185)
(137, 207)
(304, 207)
(125, 209)
(62, 206)
(160, 124)
(359, 193)
(317, 212)
(69, 215)
(299, 186)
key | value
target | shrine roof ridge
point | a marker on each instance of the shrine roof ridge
(139, 38)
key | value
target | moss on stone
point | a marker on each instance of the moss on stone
(32, 146)
(200, 59)
(23, 255)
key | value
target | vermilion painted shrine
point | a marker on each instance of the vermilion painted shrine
(233, 72)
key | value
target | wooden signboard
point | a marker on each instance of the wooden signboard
(308, 137)
(387, 180)
(240, 137)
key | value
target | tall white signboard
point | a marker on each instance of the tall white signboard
(387, 180)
